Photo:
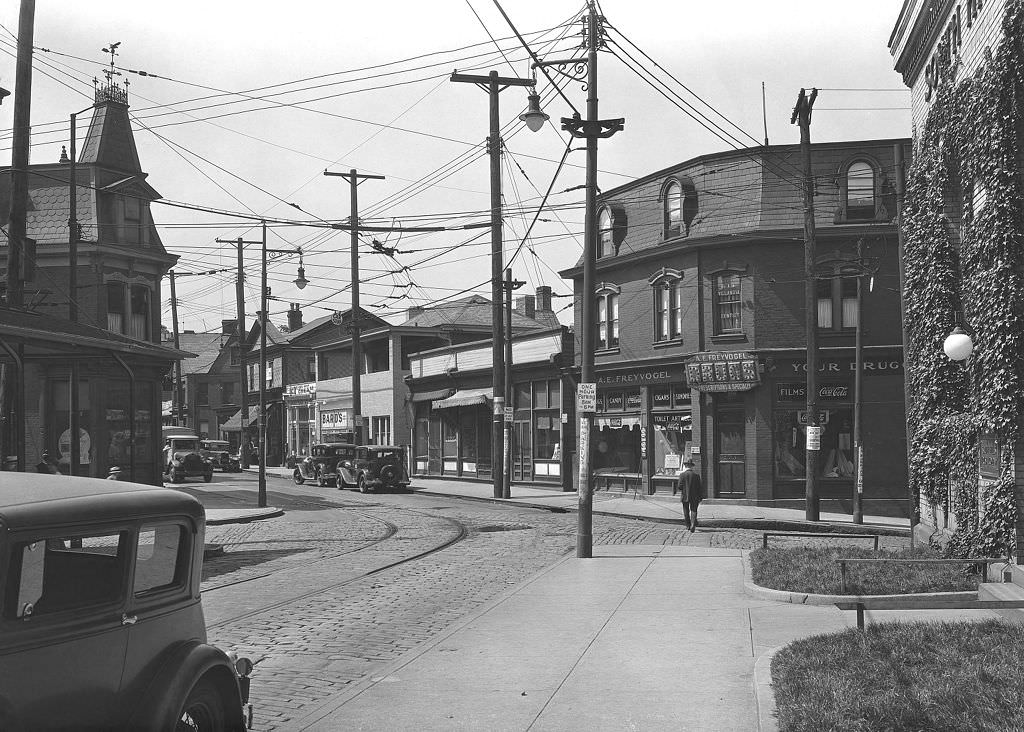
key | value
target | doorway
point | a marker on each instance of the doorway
(522, 467)
(730, 446)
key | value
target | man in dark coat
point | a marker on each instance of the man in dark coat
(691, 493)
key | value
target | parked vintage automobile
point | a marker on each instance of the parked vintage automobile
(220, 456)
(374, 467)
(323, 463)
(182, 459)
(101, 619)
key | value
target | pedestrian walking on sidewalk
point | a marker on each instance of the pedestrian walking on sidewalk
(691, 493)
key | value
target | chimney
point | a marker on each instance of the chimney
(525, 306)
(544, 299)
(294, 317)
(415, 311)
(227, 327)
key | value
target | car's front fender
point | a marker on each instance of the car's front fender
(183, 666)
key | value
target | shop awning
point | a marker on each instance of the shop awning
(464, 398)
(234, 422)
(429, 396)
(616, 422)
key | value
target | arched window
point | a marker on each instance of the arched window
(860, 191)
(605, 246)
(673, 209)
(680, 202)
(607, 317)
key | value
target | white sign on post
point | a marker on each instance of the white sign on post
(586, 397)
(509, 413)
(814, 438)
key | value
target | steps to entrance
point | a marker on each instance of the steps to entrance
(1003, 591)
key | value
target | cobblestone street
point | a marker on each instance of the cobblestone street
(324, 596)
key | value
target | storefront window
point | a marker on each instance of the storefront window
(617, 448)
(673, 440)
(59, 432)
(835, 459)
(546, 431)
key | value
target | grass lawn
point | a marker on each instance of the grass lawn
(814, 570)
(903, 677)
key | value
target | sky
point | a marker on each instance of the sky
(245, 105)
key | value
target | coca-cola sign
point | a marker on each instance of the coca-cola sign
(796, 392)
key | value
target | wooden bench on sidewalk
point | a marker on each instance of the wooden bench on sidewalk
(816, 535)
(917, 602)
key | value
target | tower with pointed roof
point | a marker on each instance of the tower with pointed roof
(121, 258)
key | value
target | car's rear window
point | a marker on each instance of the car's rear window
(58, 573)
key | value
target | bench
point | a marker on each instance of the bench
(893, 560)
(861, 604)
(816, 535)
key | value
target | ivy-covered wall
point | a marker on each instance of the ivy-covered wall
(964, 258)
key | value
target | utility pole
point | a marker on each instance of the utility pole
(802, 116)
(858, 358)
(357, 356)
(493, 85)
(592, 129)
(509, 285)
(16, 230)
(14, 386)
(243, 456)
(179, 407)
(261, 415)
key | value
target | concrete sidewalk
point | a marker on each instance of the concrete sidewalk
(640, 637)
(662, 508)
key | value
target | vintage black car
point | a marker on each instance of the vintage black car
(324, 463)
(182, 459)
(218, 452)
(374, 466)
(101, 620)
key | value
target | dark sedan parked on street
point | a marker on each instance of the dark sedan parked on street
(101, 621)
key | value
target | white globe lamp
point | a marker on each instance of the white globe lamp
(958, 346)
(534, 116)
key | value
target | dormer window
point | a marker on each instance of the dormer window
(605, 248)
(611, 230)
(860, 191)
(679, 197)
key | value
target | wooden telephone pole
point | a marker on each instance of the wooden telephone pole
(802, 117)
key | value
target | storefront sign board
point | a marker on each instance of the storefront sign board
(305, 389)
(791, 391)
(723, 371)
(637, 377)
(336, 420)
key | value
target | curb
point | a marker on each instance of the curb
(246, 518)
(725, 523)
(764, 694)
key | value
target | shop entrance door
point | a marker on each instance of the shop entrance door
(522, 466)
(730, 477)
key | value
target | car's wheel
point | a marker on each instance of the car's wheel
(361, 485)
(203, 710)
(297, 477)
(208, 477)
(388, 475)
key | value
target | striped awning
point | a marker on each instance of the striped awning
(235, 420)
(429, 396)
(464, 398)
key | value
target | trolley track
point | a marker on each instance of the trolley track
(461, 532)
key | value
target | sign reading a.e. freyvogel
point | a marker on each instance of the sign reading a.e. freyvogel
(722, 371)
